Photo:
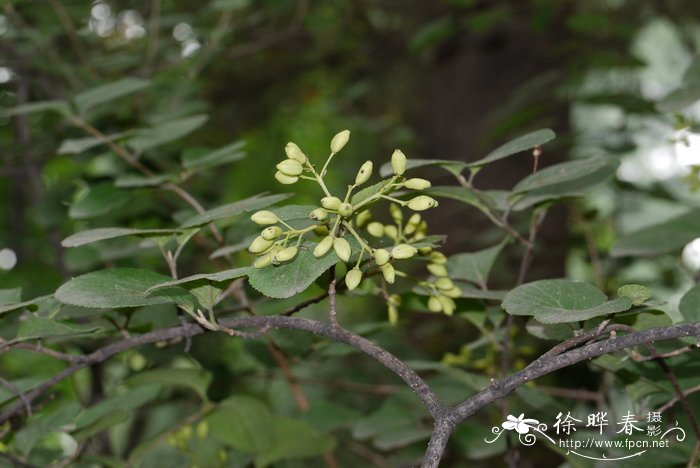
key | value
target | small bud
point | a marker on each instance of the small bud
(264, 217)
(271, 233)
(444, 283)
(353, 278)
(263, 261)
(259, 245)
(321, 231)
(285, 255)
(425, 250)
(438, 257)
(434, 304)
(323, 247)
(330, 203)
(412, 224)
(388, 272)
(202, 430)
(455, 292)
(393, 314)
(283, 178)
(319, 214)
(391, 231)
(396, 213)
(381, 256)
(345, 210)
(403, 251)
(417, 184)
(364, 173)
(395, 300)
(422, 202)
(293, 152)
(448, 305)
(398, 162)
(290, 167)
(376, 229)
(363, 218)
(437, 269)
(339, 140)
(342, 248)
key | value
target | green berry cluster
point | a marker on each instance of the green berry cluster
(338, 217)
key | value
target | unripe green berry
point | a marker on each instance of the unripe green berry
(323, 247)
(388, 272)
(381, 256)
(393, 314)
(376, 229)
(403, 251)
(342, 248)
(438, 257)
(363, 218)
(319, 214)
(395, 300)
(454, 292)
(271, 233)
(417, 184)
(353, 278)
(263, 261)
(412, 224)
(448, 305)
(434, 304)
(290, 167)
(339, 140)
(422, 202)
(345, 210)
(331, 203)
(293, 152)
(444, 283)
(285, 179)
(391, 231)
(425, 250)
(259, 245)
(396, 212)
(437, 269)
(364, 173)
(398, 162)
(285, 255)
(264, 217)
(321, 231)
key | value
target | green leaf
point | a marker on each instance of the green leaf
(244, 423)
(195, 161)
(23, 305)
(166, 132)
(43, 327)
(692, 73)
(568, 177)
(522, 143)
(292, 212)
(561, 301)
(669, 236)
(108, 92)
(474, 266)
(680, 98)
(233, 248)
(203, 278)
(294, 440)
(327, 416)
(133, 181)
(689, 306)
(79, 145)
(461, 194)
(27, 437)
(635, 292)
(61, 107)
(129, 400)
(367, 192)
(290, 278)
(119, 287)
(99, 234)
(10, 296)
(194, 379)
(99, 200)
(232, 209)
(451, 166)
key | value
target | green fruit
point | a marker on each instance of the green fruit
(345, 210)
(376, 229)
(417, 184)
(454, 292)
(259, 245)
(434, 304)
(285, 179)
(342, 248)
(437, 269)
(319, 214)
(438, 257)
(339, 140)
(293, 152)
(271, 233)
(331, 203)
(381, 256)
(391, 231)
(448, 305)
(285, 255)
(388, 272)
(323, 247)
(264, 217)
(422, 202)
(353, 278)
(398, 162)
(364, 173)
(393, 314)
(363, 218)
(403, 251)
(290, 167)
(263, 261)
(444, 283)
(396, 213)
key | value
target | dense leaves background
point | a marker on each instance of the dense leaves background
(205, 96)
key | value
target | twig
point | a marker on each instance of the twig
(332, 307)
(283, 364)
(674, 353)
(69, 26)
(593, 253)
(676, 399)
(8, 346)
(13, 388)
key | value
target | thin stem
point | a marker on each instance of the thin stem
(332, 305)
(359, 240)
(318, 178)
(325, 166)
